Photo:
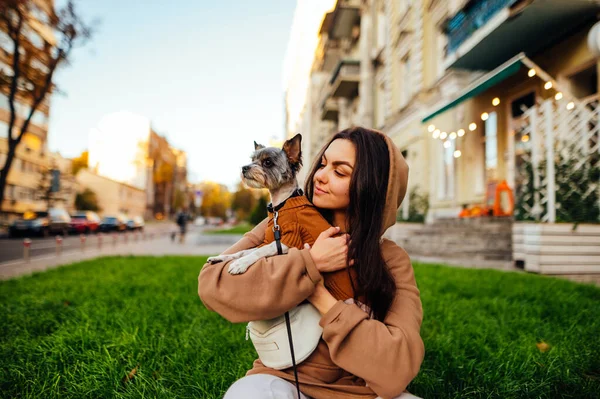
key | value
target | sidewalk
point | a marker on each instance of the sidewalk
(195, 244)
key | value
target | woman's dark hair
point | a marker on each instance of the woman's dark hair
(368, 189)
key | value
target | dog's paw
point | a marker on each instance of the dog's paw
(216, 259)
(238, 266)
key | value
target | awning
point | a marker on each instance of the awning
(486, 81)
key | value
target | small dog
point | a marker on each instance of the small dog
(274, 169)
(300, 222)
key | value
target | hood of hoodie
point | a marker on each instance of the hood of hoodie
(397, 184)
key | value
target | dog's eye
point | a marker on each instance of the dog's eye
(267, 163)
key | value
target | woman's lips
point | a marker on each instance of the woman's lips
(319, 191)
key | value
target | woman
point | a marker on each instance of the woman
(367, 349)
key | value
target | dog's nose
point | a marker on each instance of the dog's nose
(245, 168)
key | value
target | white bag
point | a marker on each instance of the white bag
(271, 341)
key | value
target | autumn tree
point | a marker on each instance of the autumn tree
(87, 201)
(36, 41)
(80, 162)
(243, 202)
(216, 200)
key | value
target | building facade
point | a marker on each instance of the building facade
(114, 197)
(450, 82)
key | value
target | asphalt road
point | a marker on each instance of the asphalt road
(12, 248)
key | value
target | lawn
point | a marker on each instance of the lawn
(134, 327)
(241, 228)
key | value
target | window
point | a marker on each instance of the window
(406, 80)
(446, 181)
(381, 29)
(440, 52)
(491, 146)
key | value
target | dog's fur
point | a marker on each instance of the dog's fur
(274, 169)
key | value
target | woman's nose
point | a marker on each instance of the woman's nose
(320, 176)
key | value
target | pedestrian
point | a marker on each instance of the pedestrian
(371, 344)
(182, 220)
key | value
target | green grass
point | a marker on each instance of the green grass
(78, 331)
(241, 228)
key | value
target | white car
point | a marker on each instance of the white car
(199, 221)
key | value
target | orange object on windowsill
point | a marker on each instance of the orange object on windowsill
(504, 203)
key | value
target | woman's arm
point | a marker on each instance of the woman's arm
(386, 355)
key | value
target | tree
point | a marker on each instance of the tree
(216, 200)
(44, 188)
(87, 201)
(260, 211)
(243, 202)
(39, 40)
(81, 162)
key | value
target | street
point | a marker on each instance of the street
(13, 248)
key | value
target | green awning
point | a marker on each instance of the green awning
(488, 80)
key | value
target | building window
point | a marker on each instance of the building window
(491, 146)
(406, 80)
(446, 187)
(440, 52)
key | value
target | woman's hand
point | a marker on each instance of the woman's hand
(322, 298)
(330, 253)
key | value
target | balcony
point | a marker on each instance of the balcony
(486, 33)
(329, 109)
(345, 78)
(340, 23)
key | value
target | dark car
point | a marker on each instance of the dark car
(55, 221)
(113, 223)
(85, 222)
(135, 223)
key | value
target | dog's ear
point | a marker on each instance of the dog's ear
(258, 146)
(293, 150)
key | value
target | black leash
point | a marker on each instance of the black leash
(277, 233)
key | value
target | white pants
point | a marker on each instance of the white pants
(266, 386)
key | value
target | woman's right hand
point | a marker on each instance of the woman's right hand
(330, 253)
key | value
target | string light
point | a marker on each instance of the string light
(531, 73)
(461, 132)
(452, 136)
(436, 133)
(485, 116)
(558, 96)
(431, 128)
(548, 85)
(443, 135)
(446, 144)
(457, 154)
(496, 102)
(525, 138)
(570, 105)
(472, 126)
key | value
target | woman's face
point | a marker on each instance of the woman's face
(332, 180)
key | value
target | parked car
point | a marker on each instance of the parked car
(113, 223)
(55, 221)
(135, 223)
(199, 221)
(85, 222)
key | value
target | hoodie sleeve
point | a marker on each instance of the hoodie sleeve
(269, 288)
(386, 355)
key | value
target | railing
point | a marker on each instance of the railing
(558, 173)
(471, 18)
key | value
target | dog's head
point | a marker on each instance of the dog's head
(273, 167)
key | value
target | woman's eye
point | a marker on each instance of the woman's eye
(339, 174)
(321, 165)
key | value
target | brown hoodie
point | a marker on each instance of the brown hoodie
(357, 357)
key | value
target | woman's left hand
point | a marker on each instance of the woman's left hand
(322, 298)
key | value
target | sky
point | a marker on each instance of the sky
(208, 74)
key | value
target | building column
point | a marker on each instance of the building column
(343, 113)
(365, 86)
